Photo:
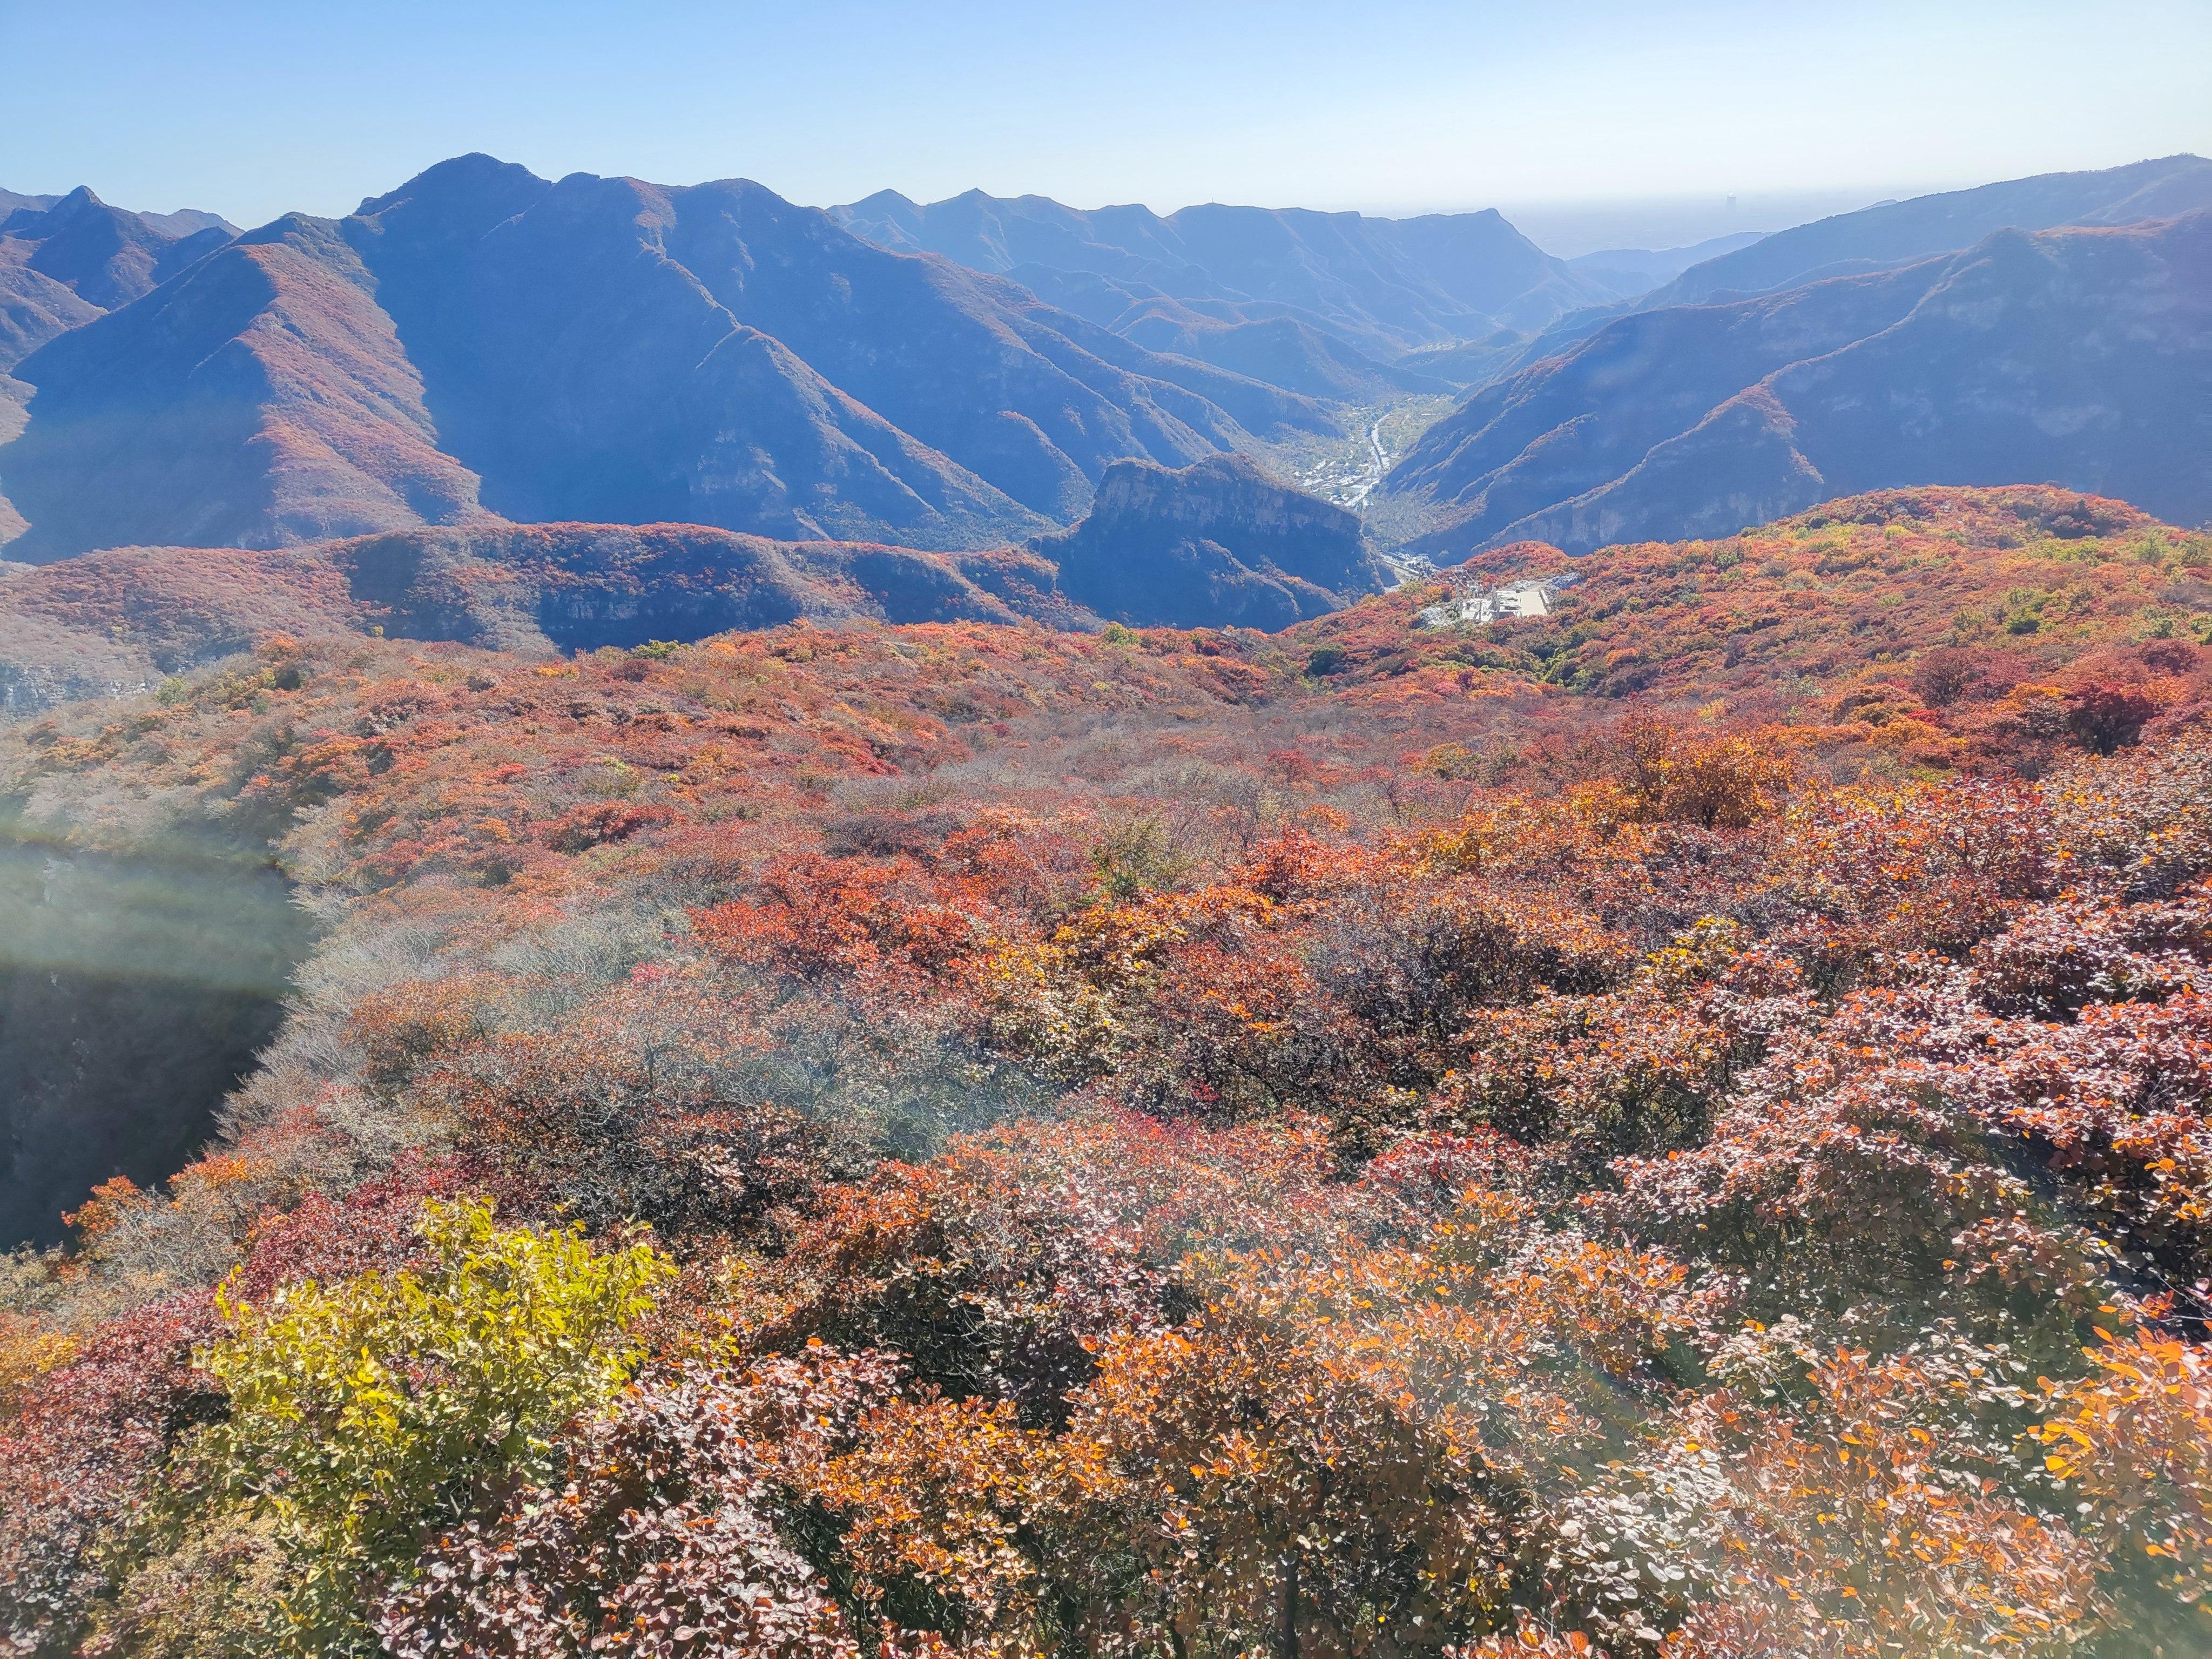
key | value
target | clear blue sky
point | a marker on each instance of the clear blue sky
(1389, 106)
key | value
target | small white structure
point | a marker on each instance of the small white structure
(1531, 596)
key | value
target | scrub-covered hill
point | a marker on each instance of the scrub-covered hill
(990, 1139)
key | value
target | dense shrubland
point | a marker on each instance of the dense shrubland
(974, 1140)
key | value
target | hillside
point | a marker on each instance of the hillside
(63, 259)
(483, 340)
(109, 623)
(2079, 356)
(1899, 233)
(1217, 543)
(1915, 629)
(1166, 1103)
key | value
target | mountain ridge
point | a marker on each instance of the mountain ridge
(605, 350)
(1380, 286)
(2079, 355)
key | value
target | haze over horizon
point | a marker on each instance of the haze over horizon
(1578, 124)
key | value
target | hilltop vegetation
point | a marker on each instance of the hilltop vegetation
(1928, 629)
(1373, 1140)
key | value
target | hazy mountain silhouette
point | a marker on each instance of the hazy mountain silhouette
(1382, 286)
(1899, 233)
(1633, 271)
(1285, 351)
(2082, 356)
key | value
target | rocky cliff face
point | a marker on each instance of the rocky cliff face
(1215, 542)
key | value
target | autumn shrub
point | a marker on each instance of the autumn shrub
(1173, 1154)
(360, 1412)
(91, 1421)
(1661, 773)
(2103, 718)
(662, 1528)
(1868, 1516)
(2133, 1437)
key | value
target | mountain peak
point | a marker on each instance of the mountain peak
(475, 174)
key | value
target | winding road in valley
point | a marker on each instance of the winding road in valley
(1370, 470)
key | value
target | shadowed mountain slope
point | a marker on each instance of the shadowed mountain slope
(2082, 356)
(1285, 351)
(63, 259)
(260, 397)
(1216, 543)
(104, 254)
(599, 350)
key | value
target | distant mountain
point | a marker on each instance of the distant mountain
(63, 259)
(1897, 233)
(1892, 233)
(104, 254)
(1285, 351)
(1470, 363)
(485, 342)
(1215, 542)
(1381, 286)
(259, 397)
(187, 222)
(2082, 356)
(1630, 271)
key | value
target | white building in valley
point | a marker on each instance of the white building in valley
(1531, 596)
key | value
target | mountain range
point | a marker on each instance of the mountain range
(485, 342)
(1378, 286)
(1892, 233)
(483, 347)
(2082, 356)
(64, 260)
